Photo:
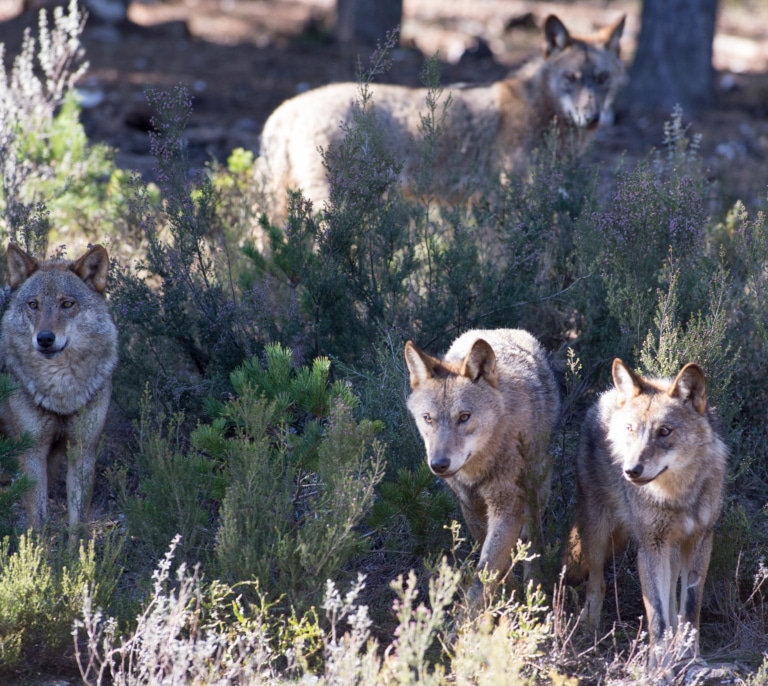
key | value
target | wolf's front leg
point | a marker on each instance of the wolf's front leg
(34, 463)
(496, 553)
(656, 565)
(84, 433)
(695, 562)
(81, 468)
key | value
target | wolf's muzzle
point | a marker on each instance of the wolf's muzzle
(46, 340)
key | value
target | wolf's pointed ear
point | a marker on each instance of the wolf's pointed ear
(611, 35)
(92, 268)
(20, 265)
(691, 384)
(626, 381)
(421, 366)
(556, 36)
(480, 362)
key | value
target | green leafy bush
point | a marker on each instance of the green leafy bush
(13, 482)
(301, 476)
(169, 486)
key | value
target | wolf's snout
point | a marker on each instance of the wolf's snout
(46, 339)
(592, 119)
(634, 472)
(439, 465)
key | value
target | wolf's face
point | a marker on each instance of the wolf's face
(583, 75)
(54, 301)
(51, 306)
(457, 407)
(658, 429)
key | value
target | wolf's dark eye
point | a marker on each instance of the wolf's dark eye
(664, 431)
(428, 418)
(570, 77)
(32, 304)
(602, 77)
(464, 417)
(67, 304)
(629, 429)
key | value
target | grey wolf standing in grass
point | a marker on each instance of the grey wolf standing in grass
(486, 412)
(59, 344)
(487, 128)
(650, 468)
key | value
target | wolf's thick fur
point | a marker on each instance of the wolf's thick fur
(486, 412)
(488, 127)
(651, 468)
(58, 342)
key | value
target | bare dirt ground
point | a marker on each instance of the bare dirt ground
(242, 58)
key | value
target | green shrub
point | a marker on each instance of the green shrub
(705, 338)
(301, 476)
(13, 482)
(46, 159)
(654, 222)
(41, 593)
(168, 486)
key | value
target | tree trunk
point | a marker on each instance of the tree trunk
(673, 62)
(364, 22)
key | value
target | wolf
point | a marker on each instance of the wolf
(651, 469)
(59, 345)
(486, 412)
(487, 129)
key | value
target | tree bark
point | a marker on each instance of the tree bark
(364, 22)
(673, 62)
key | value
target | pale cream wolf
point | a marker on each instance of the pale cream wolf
(59, 344)
(651, 468)
(486, 412)
(488, 128)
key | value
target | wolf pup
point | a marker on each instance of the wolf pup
(486, 412)
(487, 128)
(650, 468)
(58, 342)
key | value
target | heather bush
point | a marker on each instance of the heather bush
(371, 263)
(654, 223)
(41, 591)
(748, 238)
(704, 337)
(44, 154)
(185, 321)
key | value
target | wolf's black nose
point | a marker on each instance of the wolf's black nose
(635, 473)
(45, 339)
(439, 465)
